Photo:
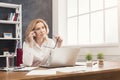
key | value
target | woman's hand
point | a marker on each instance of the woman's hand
(59, 41)
(31, 38)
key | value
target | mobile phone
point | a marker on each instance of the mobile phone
(34, 34)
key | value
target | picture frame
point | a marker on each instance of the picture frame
(7, 35)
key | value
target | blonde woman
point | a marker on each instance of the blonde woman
(37, 45)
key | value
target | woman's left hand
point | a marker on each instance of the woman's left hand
(59, 41)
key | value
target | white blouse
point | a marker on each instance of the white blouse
(37, 55)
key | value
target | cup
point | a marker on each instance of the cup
(10, 62)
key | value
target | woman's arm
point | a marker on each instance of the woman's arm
(32, 56)
(27, 54)
(31, 38)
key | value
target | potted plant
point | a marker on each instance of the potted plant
(89, 60)
(100, 57)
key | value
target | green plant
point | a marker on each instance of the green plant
(100, 55)
(88, 56)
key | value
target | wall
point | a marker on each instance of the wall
(32, 9)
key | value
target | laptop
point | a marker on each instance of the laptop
(62, 57)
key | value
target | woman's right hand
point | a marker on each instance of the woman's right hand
(31, 38)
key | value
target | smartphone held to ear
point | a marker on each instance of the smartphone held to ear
(34, 35)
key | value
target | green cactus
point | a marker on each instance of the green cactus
(88, 56)
(100, 55)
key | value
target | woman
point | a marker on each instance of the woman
(37, 45)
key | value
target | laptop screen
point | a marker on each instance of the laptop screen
(63, 57)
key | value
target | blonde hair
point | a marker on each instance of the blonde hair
(32, 25)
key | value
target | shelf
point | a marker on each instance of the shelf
(9, 38)
(9, 22)
(17, 24)
(8, 5)
(7, 55)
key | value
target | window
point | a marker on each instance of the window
(88, 22)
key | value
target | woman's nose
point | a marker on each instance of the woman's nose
(41, 31)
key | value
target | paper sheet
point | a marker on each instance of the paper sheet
(71, 69)
(54, 70)
(41, 72)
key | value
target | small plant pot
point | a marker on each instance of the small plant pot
(89, 63)
(100, 62)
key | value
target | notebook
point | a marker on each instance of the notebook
(60, 57)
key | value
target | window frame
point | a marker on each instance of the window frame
(60, 19)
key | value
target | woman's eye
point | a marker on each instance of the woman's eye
(38, 29)
(43, 27)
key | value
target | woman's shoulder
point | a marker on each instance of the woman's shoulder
(25, 43)
(50, 39)
(50, 42)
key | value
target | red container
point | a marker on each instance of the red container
(19, 56)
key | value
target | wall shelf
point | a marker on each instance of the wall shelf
(10, 22)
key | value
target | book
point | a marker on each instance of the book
(8, 16)
(11, 16)
(15, 17)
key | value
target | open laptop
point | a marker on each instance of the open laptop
(60, 57)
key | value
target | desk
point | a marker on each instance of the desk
(110, 71)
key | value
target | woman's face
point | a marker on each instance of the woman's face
(40, 30)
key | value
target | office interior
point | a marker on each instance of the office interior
(48, 10)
